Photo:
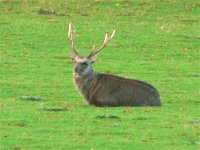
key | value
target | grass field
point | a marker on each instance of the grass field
(156, 41)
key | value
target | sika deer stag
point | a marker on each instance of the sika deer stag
(105, 89)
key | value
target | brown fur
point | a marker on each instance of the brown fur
(110, 90)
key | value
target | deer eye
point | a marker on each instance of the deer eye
(84, 64)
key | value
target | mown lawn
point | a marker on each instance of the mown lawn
(156, 41)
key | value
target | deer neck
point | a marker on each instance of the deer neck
(85, 83)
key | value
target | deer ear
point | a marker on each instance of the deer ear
(93, 58)
(72, 55)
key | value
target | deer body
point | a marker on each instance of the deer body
(109, 90)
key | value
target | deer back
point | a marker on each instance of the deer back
(110, 90)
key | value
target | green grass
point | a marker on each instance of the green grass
(156, 41)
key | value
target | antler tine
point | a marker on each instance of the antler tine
(106, 41)
(93, 47)
(71, 38)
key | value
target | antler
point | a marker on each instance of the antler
(106, 41)
(71, 38)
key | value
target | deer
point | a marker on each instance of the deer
(107, 90)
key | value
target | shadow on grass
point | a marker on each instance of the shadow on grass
(19, 123)
(54, 109)
(32, 98)
(107, 117)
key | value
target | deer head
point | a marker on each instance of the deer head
(83, 64)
